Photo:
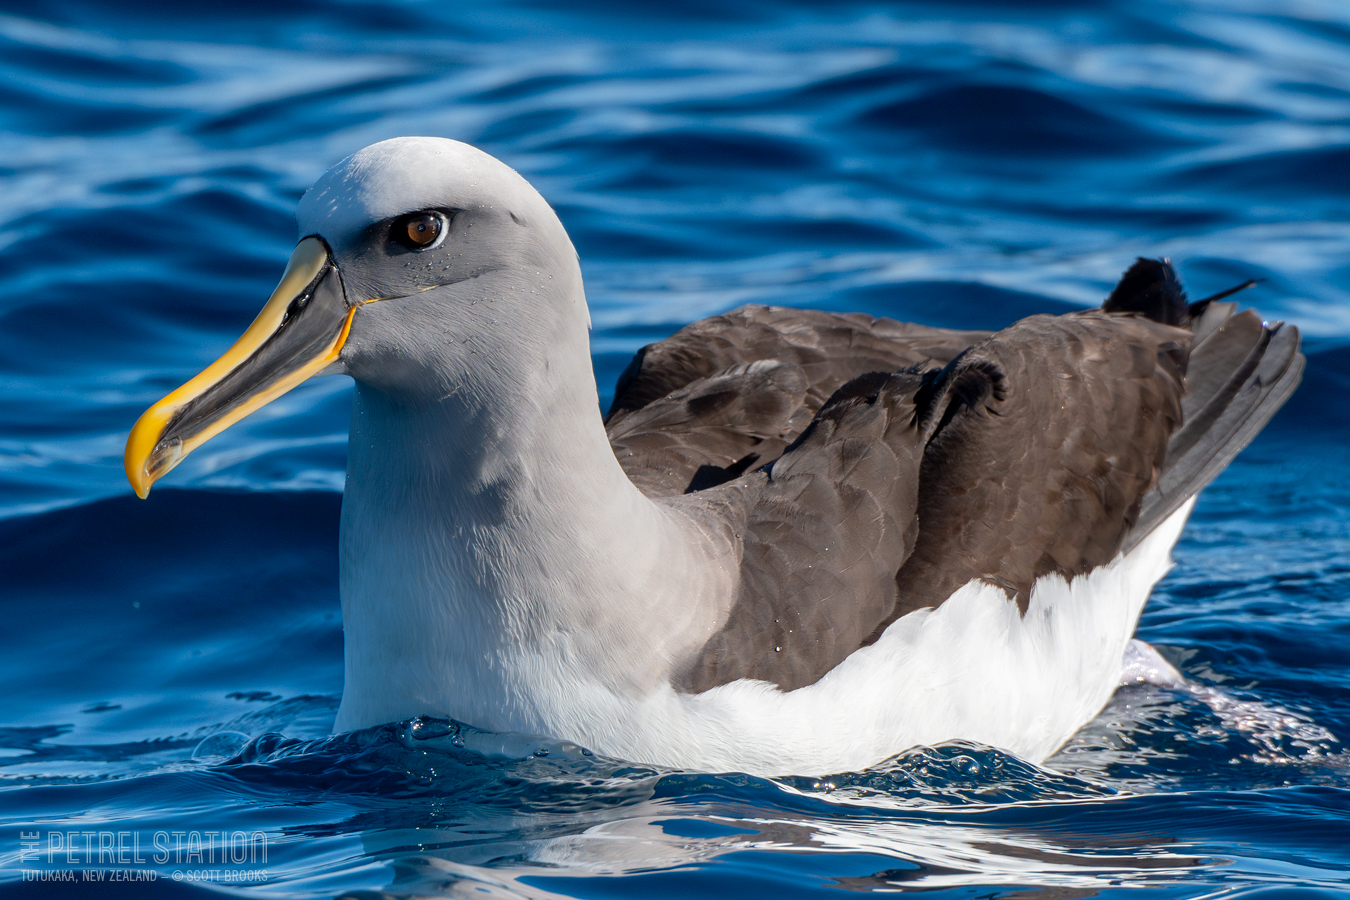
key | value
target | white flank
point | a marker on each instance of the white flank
(972, 669)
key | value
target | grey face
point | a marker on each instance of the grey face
(385, 259)
(426, 268)
(469, 265)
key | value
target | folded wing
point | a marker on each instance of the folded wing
(873, 468)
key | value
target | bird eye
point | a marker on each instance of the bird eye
(419, 230)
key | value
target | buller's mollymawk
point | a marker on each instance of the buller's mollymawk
(799, 541)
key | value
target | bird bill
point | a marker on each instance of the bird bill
(298, 334)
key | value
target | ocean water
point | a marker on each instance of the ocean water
(170, 668)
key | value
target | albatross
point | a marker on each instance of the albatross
(799, 542)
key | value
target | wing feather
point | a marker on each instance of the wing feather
(693, 411)
(872, 468)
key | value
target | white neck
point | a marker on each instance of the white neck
(491, 543)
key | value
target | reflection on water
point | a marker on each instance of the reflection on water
(446, 808)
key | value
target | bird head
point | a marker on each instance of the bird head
(423, 263)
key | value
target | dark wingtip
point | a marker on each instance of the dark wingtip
(1199, 306)
(1151, 288)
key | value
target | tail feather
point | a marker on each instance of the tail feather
(1240, 372)
(1151, 288)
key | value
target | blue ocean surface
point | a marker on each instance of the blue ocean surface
(170, 668)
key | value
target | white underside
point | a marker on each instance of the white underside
(971, 669)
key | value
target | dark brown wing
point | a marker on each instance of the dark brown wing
(1045, 448)
(1062, 429)
(691, 412)
(1108, 422)
(1026, 455)
(711, 430)
(823, 532)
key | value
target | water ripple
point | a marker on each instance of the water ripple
(174, 665)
